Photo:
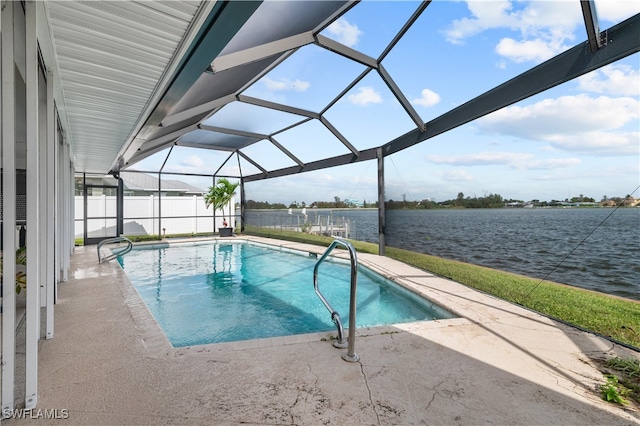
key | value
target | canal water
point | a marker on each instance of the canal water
(593, 248)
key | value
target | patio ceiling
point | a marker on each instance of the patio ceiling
(111, 58)
(141, 79)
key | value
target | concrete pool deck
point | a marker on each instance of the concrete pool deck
(499, 364)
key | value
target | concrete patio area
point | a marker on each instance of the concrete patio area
(499, 364)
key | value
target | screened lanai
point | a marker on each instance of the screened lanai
(278, 99)
(119, 100)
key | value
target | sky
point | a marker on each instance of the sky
(579, 138)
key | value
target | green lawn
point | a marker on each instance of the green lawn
(613, 317)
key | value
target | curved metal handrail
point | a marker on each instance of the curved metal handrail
(115, 252)
(350, 356)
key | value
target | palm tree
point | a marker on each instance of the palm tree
(220, 195)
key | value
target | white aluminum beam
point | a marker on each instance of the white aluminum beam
(42, 186)
(154, 145)
(277, 106)
(169, 137)
(68, 206)
(283, 57)
(9, 212)
(57, 147)
(147, 153)
(257, 136)
(50, 280)
(345, 51)
(33, 208)
(70, 236)
(202, 146)
(207, 107)
(263, 51)
(59, 209)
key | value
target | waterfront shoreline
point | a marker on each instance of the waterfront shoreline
(549, 244)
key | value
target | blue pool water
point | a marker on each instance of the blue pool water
(222, 292)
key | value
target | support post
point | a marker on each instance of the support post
(119, 207)
(33, 208)
(85, 207)
(71, 190)
(51, 205)
(69, 211)
(159, 205)
(9, 213)
(242, 205)
(381, 209)
(61, 202)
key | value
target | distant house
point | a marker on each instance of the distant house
(143, 184)
(136, 184)
(631, 202)
(514, 204)
(624, 202)
(353, 202)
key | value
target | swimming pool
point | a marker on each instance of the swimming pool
(230, 291)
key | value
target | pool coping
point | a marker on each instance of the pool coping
(157, 342)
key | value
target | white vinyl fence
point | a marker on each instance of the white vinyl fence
(180, 215)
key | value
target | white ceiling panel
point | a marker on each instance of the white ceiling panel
(111, 56)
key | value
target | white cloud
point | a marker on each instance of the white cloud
(286, 84)
(456, 176)
(192, 162)
(528, 50)
(574, 123)
(549, 164)
(480, 158)
(544, 27)
(366, 95)
(616, 11)
(428, 98)
(613, 80)
(484, 16)
(598, 143)
(344, 32)
(514, 160)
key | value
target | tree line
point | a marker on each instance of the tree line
(487, 201)
(337, 203)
